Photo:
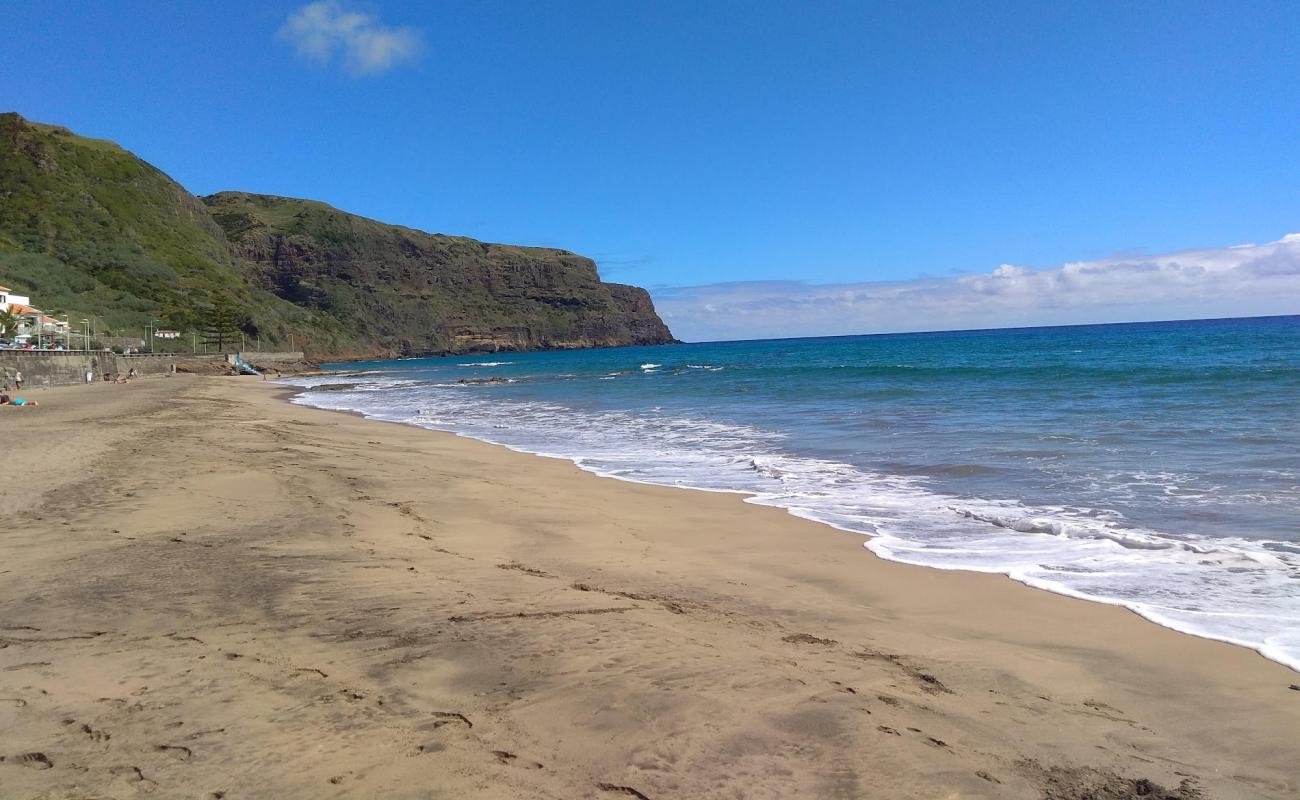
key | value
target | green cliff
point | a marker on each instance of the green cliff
(88, 229)
(415, 292)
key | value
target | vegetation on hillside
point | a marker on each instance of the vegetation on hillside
(416, 292)
(89, 230)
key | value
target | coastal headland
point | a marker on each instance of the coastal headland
(107, 239)
(209, 592)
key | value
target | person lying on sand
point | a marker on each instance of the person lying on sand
(6, 400)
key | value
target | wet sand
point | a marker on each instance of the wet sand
(207, 592)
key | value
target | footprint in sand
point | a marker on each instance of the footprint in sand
(33, 760)
(507, 757)
(447, 717)
(176, 751)
(132, 774)
(807, 638)
(614, 788)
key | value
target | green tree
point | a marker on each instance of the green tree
(9, 323)
(222, 323)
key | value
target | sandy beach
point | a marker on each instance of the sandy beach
(208, 592)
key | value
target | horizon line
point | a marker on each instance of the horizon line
(987, 330)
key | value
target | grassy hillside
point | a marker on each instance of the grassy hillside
(88, 229)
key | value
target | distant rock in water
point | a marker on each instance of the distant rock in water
(483, 381)
(91, 230)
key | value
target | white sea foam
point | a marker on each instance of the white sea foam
(361, 382)
(1242, 591)
(485, 364)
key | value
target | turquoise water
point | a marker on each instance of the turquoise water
(1154, 465)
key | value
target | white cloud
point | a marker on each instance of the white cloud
(326, 29)
(1244, 280)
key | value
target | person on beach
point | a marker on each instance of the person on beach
(18, 379)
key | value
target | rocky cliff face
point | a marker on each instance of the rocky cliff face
(90, 230)
(413, 292)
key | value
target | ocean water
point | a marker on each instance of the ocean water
(1154, 465)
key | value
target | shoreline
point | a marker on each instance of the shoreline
(231, 593)
(1139, 609)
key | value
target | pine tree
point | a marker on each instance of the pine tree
(222, 323)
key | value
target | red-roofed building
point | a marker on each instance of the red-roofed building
(8, 299)
(33, 323)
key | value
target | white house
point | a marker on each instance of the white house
(29, 319)
(32, 322)
(8, 298)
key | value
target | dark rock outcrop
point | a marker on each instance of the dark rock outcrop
(413, 292)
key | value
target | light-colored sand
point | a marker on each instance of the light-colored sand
(207, 592)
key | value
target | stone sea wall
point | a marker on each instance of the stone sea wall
(45, 368)
(61, 368)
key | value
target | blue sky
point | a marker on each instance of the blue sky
(688, 144)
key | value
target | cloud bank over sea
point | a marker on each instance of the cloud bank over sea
(1243, 280)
